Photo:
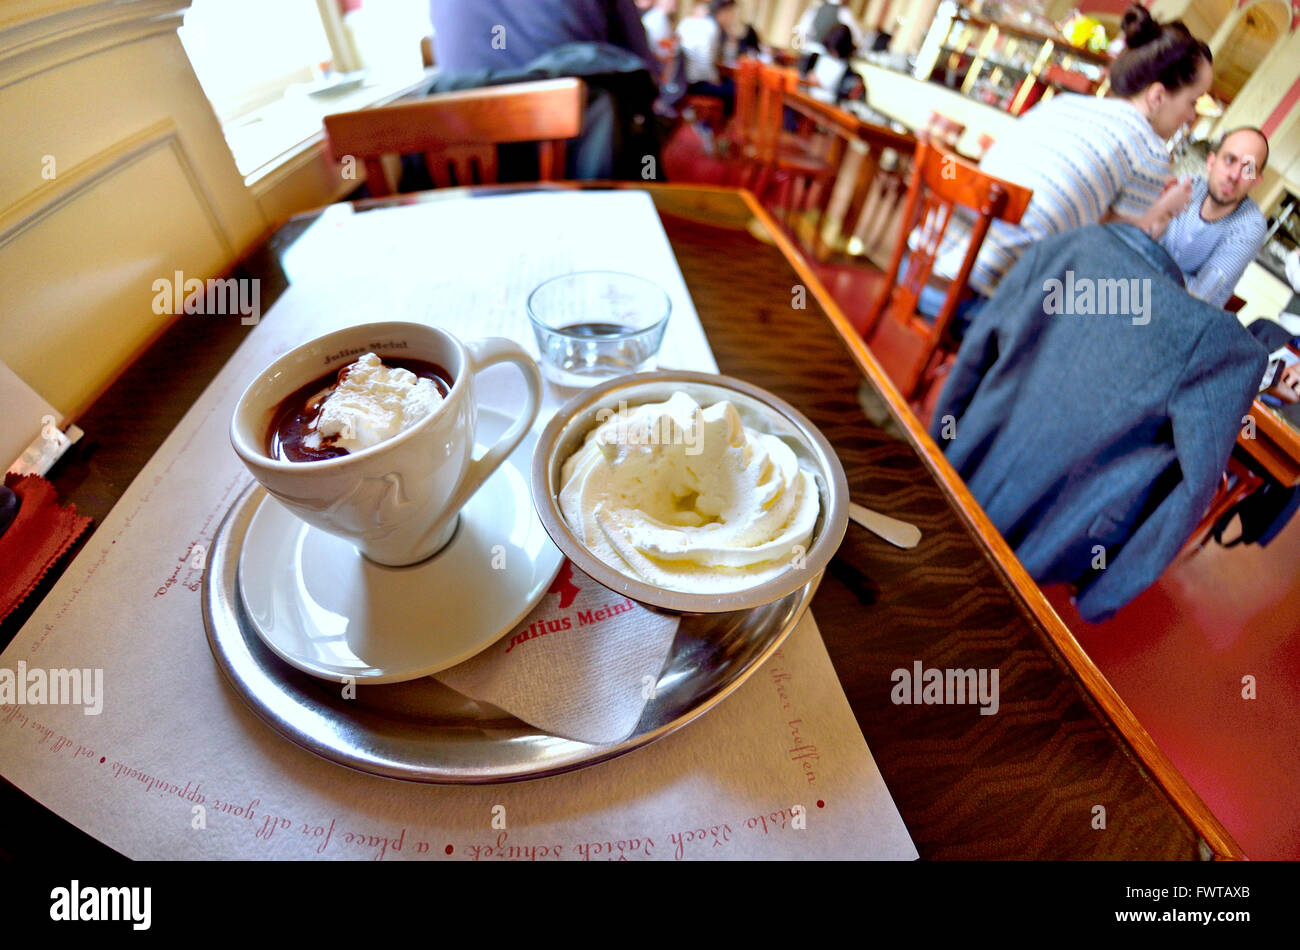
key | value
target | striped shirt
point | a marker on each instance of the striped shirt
(701, 40)
(1083, 157)
(1214, 254)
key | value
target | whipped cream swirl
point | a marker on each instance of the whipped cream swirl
(687, 498)
(370, 403)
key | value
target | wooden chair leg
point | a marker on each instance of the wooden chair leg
(1228, 495)
(786, 197)
(793, 204)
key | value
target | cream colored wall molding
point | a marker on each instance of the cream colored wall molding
(98, 169)
(36, 35)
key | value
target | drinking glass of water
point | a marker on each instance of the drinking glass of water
(593, 325)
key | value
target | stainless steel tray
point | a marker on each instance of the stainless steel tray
(423, 731)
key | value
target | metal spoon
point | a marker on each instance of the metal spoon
(898, 533)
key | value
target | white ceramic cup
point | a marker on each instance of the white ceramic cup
(397, 501)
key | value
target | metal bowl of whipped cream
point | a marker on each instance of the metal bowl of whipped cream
(690, 492)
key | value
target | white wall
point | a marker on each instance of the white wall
(115, 173)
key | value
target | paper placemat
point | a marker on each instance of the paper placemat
(160, 759)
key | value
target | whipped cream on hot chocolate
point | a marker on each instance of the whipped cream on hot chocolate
(688, 498)
(370, 403)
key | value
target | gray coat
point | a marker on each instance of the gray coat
(1095, 440)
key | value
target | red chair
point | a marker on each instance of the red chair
(907, 343)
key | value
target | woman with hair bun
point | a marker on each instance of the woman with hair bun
(1089, 159)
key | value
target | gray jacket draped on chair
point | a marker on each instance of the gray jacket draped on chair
(1092, 408)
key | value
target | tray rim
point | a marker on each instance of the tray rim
(220, 586)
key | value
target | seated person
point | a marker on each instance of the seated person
(701, 36)
(658, 22)
(503, 35)
(1088, 159)
(1091, 410)
(1221, 230)
(748, 43)
(813, 29)
(831, 72)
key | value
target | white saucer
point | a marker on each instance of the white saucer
(323, 608)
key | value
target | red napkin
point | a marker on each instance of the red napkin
(40, 534)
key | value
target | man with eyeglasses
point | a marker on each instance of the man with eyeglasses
(1221, 230)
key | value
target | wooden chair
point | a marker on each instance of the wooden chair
(742, 133)
(1238, 482)
(852, 245)
(790, 166)
(458, 132)
(871, 163)
(908, 344)
(710, 110)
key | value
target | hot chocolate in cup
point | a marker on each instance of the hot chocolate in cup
(399, 499)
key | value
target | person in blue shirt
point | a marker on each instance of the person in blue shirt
(471, 35)
(1221, 230)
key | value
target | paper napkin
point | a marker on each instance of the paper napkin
(582, 665)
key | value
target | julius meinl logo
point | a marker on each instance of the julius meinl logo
(934, 687)
(216, 297)
(1086, 296)
(57, 687)
(103, 903)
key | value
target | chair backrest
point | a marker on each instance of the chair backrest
(942, 181)
(458, 132)
(774, 83)
(873, 166)
(745, 120)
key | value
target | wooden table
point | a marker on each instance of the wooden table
(1275, 446)
(1024, 783)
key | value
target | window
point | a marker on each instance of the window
(271, 72)
(246, 53)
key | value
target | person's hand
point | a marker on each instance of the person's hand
(1169, 205)
(1288, 387)
(1176, 193)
